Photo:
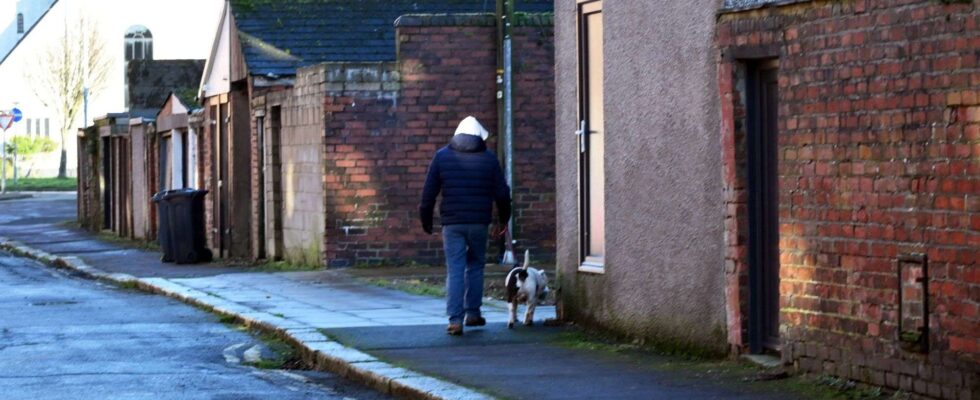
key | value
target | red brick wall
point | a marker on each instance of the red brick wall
(383, 129)
(879, 155)
(89, 194)
(205, 159)
(534, 142)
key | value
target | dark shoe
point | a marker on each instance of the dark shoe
(455, 329)
(475, 321)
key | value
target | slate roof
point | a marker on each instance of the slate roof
(280, 35)
(150, 83)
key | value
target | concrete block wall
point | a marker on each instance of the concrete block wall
(879, 156)
(300, 152)
(141, 192)
(205, 154)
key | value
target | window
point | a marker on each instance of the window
(139, 43)
(47, 127)
(37, 126)
(591, 136)
(20, 22)
(165, 162)
(29, 126)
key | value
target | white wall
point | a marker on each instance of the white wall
(219, 67)
(181, 29)
(176, 160)
(31, 9)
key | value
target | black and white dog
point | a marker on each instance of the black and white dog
(525, 285)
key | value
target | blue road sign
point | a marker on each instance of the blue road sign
(17, 114)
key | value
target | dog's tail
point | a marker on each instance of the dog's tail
(527, 259)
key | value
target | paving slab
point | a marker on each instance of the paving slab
(391, 340)
(78, 247)
(503, 362)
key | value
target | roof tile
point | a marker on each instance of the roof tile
(279, 36)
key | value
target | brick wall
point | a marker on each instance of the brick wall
(879, 156)
(383, 125)
(89, 164)
(205, 157)
(534, 141)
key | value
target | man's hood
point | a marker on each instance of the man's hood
(468, 144)
(470, 126)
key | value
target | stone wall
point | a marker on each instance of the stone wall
(879, 159)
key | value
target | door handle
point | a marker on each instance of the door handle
(581, 137)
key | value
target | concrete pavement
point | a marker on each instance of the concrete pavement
(390, 340)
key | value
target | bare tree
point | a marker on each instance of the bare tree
(75, 61)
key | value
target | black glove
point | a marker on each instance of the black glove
(425, 216)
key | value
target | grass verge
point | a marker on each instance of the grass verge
(129, 285)
(699, 369)
(285, 355)
(410, 285)
(43, 185)
(284, 266)
(127, 242)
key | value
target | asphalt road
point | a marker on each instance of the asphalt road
(63, 337)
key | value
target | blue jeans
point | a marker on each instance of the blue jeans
(466, 252)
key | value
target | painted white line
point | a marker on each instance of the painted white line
(230, 353)
(253, 354)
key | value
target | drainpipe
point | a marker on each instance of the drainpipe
(505, 13)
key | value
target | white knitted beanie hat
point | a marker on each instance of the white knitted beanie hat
(470, 126)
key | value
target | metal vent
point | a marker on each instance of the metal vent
(913, 302)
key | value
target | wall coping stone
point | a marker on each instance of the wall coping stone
(473, 19)
(734, 6)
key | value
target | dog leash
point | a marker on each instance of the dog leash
(508, 258)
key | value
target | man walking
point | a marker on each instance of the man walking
(470, 180)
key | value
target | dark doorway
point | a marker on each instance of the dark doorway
(275, 153)
(106, 183)
(763, 206)
(263, 174)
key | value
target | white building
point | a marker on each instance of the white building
(17, 17)
(131, 29)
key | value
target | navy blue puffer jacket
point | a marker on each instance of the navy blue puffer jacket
(470, 180)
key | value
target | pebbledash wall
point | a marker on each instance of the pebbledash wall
(662, 278)
(878, 157)
(375, 127)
